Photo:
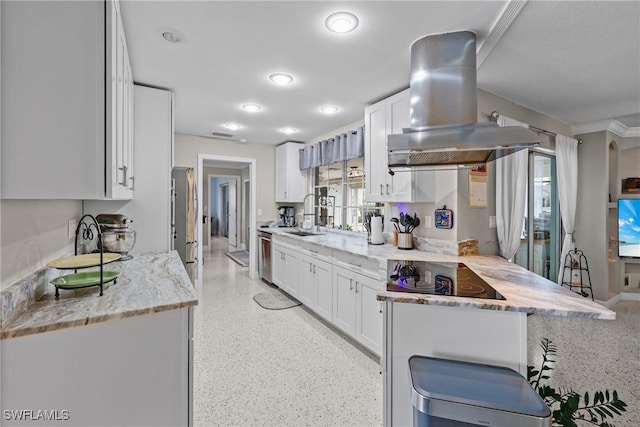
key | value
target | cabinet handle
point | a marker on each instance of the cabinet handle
(350, 284)
(381, 189)
(309, 267)
(124, 175)
(387, 189)
(354, 264)
(314, 269)
(312, 251)
(380, 308)
(133, 182)
(285, 195)
(356, 287)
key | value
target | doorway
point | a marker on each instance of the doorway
(240, 173)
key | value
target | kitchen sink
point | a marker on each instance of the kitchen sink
(302, 233)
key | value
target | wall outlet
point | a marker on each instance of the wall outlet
(259, 212)
(428, 221)
(492, 221)
(71, 230)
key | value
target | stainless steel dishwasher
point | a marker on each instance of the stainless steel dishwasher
(264, 261)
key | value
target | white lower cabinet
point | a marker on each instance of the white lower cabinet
(122, 372)
(285, 269)
(315, 285)
(331, 285)
(356, 309)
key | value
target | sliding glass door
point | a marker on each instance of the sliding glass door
(540, 242)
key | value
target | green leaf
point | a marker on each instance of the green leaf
(586, 398)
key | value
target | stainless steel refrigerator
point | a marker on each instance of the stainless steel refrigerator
(184, 213)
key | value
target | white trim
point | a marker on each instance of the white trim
(612, 126)
(611, 301)
(630, 296)
(502, 24)
(622, 296)
(253, 238)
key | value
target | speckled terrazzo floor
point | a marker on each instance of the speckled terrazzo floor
(257, 367)
(594, 354)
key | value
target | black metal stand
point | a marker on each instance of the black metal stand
(579, 279)
(89, 231)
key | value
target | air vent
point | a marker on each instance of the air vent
(221, 134)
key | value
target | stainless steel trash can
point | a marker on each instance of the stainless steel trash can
(449, 393)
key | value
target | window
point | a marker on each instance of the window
(339, 190)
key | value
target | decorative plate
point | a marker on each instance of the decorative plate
(83, 261)
(84, 279)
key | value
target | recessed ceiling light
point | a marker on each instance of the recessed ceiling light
(232, 126)
(329, 109)
(341, 22)
(251, 108)
(288, 130)
(281, 78)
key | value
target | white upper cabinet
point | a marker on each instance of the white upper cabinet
(290, 180)
(67, 102)
(386, 117)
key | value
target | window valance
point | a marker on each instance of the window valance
(342, 147)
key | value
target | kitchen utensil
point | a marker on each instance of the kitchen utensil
(395, 222)
(403, 222)
(114, 221)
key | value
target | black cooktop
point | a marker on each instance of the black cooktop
(437, 278)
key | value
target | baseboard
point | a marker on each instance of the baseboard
(630, 296)
(622, 296)
(611, 301)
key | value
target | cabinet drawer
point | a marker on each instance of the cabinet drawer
(316, 251)
(363, 265)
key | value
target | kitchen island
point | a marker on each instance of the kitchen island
(119, 359)
(490, 331)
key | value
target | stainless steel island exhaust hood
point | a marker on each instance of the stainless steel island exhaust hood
(444, 110)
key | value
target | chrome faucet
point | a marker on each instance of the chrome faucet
(305, 214)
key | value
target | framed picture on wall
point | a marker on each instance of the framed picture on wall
(478, 186)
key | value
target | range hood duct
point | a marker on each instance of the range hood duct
(444, 110)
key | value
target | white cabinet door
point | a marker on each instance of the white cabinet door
(391, 116)
(307, 282)
(278, 267)
(368, 314)
(290, 180)
(375, 152)
(397, 118)
(60, 121)
(292, 277)
(324, 289)
(344, 298)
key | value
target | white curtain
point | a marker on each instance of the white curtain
(511, 193)
(567, 171)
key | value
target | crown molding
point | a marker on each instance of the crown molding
(612, 126)
(502, 24)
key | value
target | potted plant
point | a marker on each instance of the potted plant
(570, 408)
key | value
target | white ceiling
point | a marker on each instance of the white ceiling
(578, 62)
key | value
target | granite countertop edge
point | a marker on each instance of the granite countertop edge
(149, 283)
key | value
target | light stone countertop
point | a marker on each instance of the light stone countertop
(523, 290)
(146, 284)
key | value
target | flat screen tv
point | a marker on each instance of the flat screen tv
(629, 228)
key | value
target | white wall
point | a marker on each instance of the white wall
(187, 148)
(629, 162)
(33, 232)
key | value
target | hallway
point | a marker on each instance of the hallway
(257, 367)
